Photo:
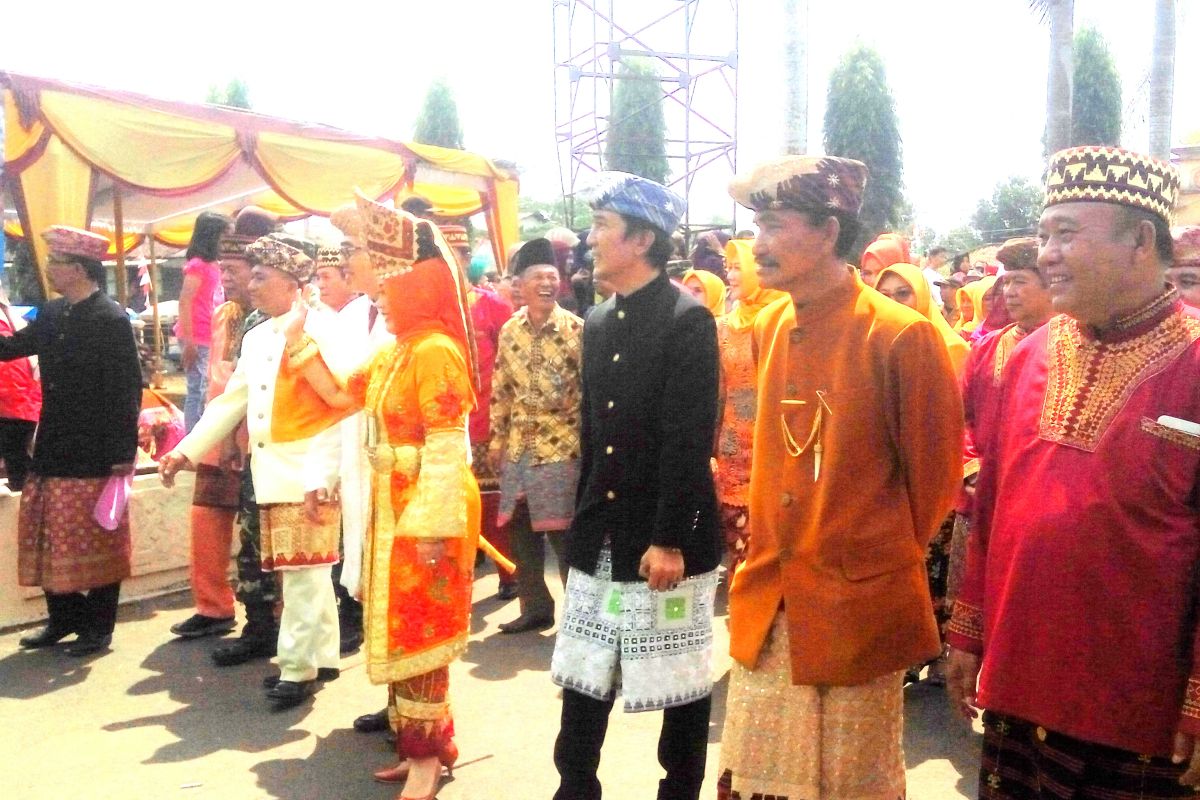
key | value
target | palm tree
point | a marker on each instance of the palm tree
(796, 69)
(1162, 79)
(1061, 16)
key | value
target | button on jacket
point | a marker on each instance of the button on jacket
(91, 386)
(650, 374)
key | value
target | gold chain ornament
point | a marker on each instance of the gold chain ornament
(795, 449)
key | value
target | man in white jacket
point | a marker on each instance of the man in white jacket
(291, 452)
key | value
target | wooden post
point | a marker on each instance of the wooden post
(119, 230)
(156, 374)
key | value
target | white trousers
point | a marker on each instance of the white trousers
(308, 627)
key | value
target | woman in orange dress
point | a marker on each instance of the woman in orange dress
(418, 392)
(735, 332)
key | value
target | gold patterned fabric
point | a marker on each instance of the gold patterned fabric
(537, 388)
(1090, 378)
(788, 742)
(291, 541)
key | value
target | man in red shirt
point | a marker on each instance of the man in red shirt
(1078, 610)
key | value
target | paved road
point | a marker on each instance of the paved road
(154, 719)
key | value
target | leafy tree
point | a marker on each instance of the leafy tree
(636, 127)
(960, 239)
(236, 94)
(438, 122)
(1096, 96)
(539, 216)
(861, 123)
(1012, 210)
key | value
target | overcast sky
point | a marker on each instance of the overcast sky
(968, 77)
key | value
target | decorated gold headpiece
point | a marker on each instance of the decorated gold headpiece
(1112, 175)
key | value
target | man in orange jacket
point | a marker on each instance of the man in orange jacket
(856, 462)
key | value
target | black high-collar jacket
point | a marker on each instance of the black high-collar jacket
(91, 386)
(650, 377)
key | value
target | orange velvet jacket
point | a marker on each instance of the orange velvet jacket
(844, 552)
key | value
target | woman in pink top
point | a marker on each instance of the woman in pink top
(201, 294)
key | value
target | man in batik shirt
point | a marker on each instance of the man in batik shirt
(1078, 612)
(536, 392)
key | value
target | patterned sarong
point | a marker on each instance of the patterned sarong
(787, 742)
(61, 547)
(291, 541)
(1022, 761)
(655, 647)
(548, 489)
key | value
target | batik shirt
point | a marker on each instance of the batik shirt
(537, 388)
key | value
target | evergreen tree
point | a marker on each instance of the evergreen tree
(438, 122)
(1096, 94)
(636, 128)
(861, 123)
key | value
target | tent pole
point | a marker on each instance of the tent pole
(119, 230)
(156, 375)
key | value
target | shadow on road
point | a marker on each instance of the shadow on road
(210, 696)
(32, 673)
(340, 766)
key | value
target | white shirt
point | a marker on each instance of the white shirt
(281, 471)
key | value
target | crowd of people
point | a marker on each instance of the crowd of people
(979, 473)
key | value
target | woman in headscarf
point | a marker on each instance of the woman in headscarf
(418, 391)
(887, 249)
(906, 284)
(972, 305)
(735, 331)
(707, 288)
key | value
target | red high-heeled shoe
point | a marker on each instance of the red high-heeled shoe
(399, 773)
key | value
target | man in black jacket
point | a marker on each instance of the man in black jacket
(643, 546)
(87, 434)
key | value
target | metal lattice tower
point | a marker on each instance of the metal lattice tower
(693, 48)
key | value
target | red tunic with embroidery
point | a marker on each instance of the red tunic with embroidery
(1080, 589)
(980, 389)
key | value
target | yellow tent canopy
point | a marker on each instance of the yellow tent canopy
(84, 156)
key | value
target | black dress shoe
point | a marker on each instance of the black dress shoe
(525, 622)
(507, 591)
(87, 644)
(286, 694)
(46, 637)
(324, 675)
(199, 625)
(244, 649)
(372, 723)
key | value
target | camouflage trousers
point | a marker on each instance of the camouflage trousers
(256, 589)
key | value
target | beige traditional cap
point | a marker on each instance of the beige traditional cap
(803, 183)
(270, 252)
